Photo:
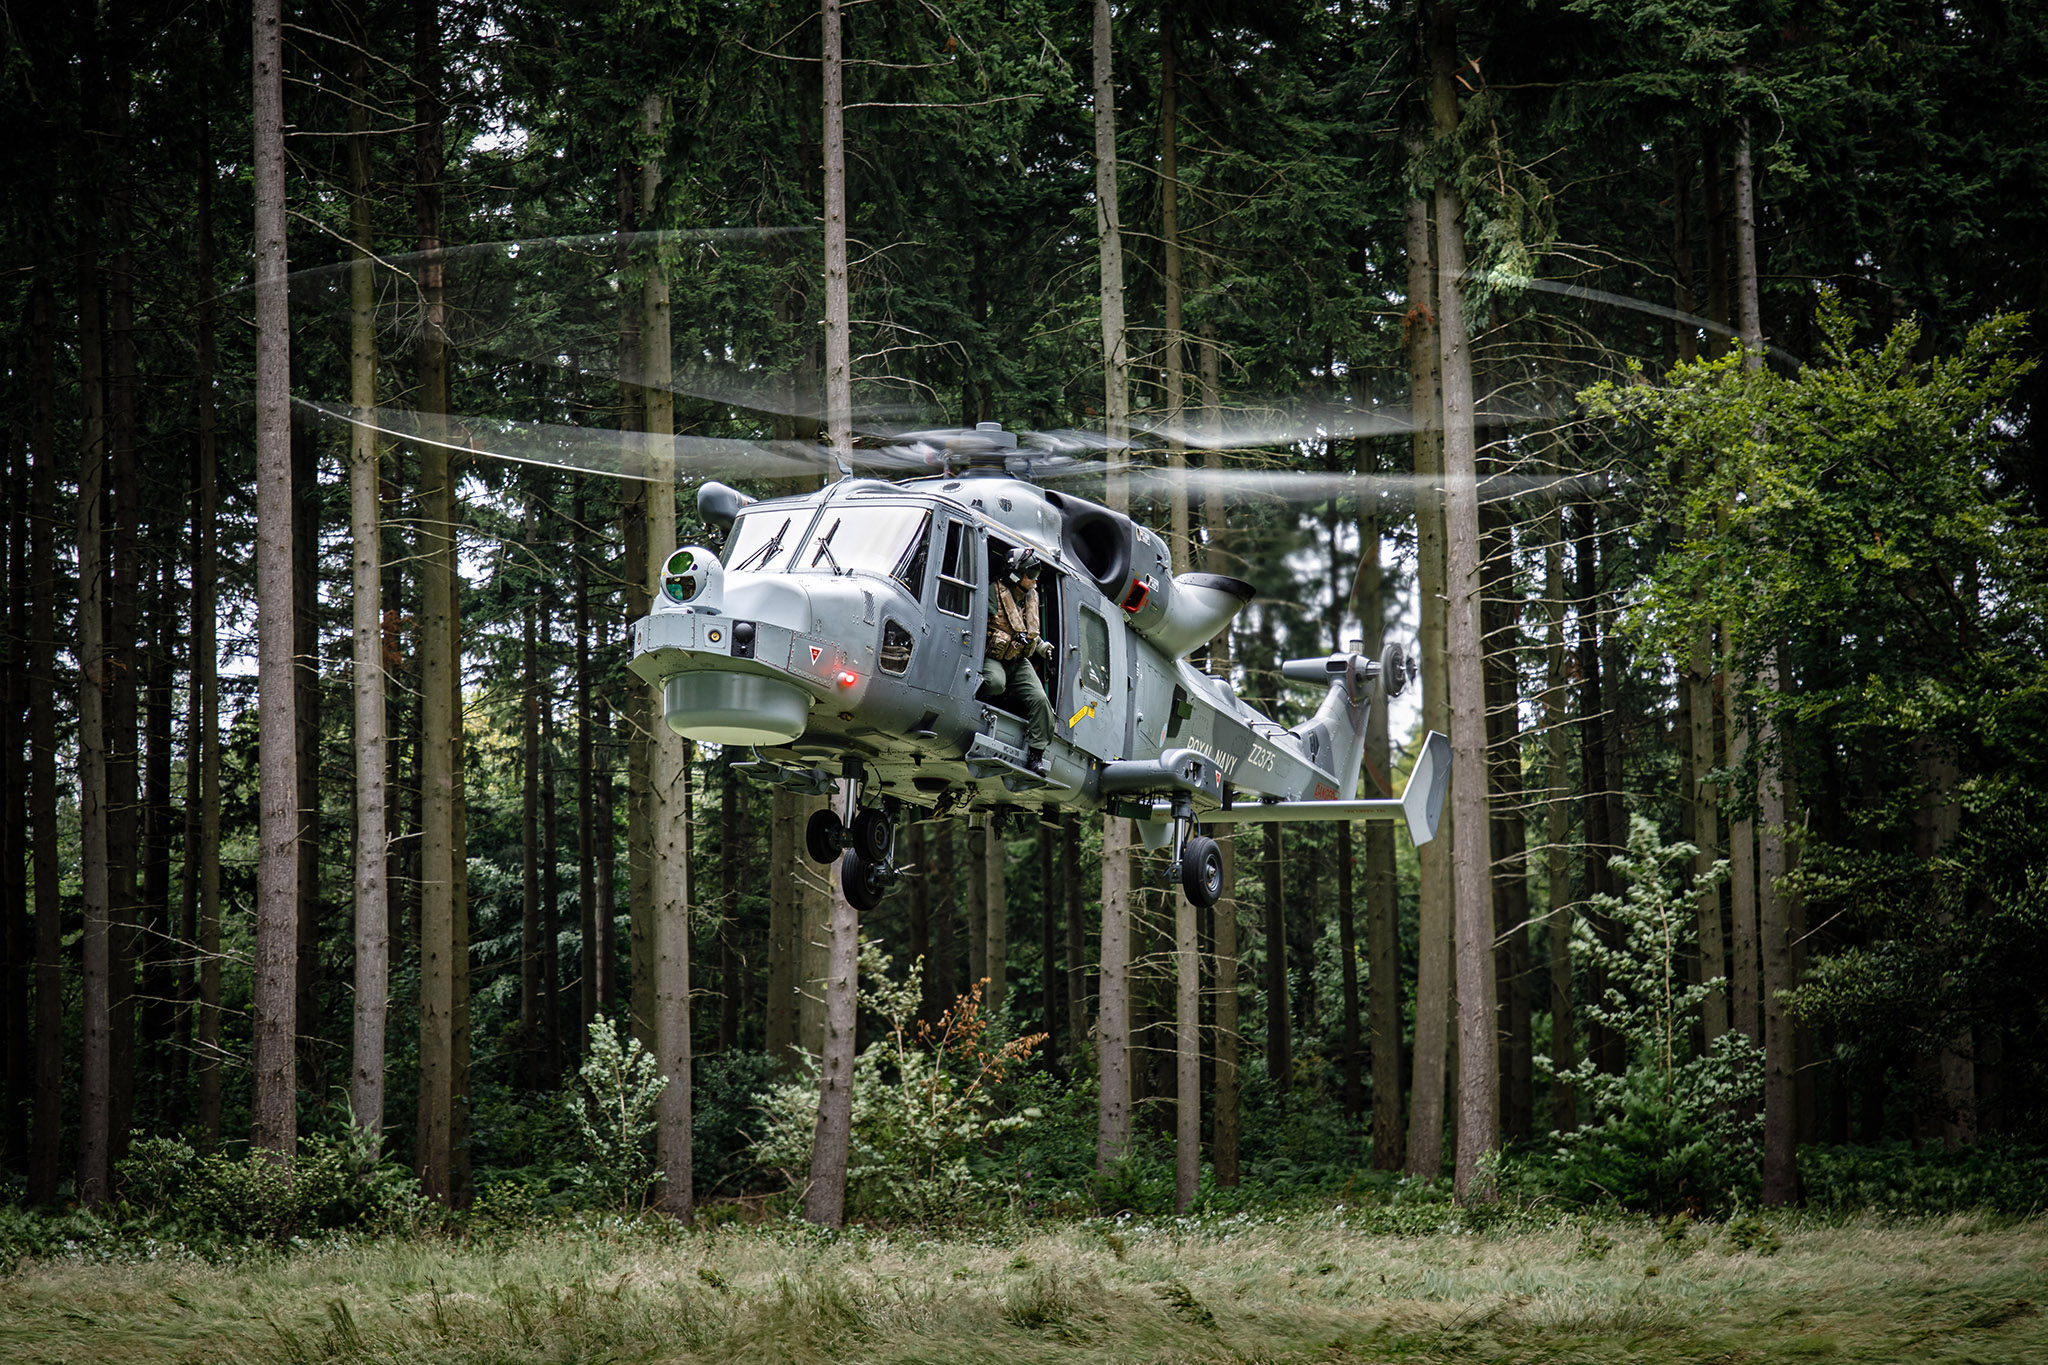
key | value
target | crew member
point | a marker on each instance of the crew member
(1013, 640)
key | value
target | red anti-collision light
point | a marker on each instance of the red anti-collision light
(847, 678)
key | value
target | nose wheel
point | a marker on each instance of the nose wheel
(865, 850)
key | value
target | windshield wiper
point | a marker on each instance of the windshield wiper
(767, 552)
(824, 550)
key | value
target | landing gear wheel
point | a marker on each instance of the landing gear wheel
(1201, 871)
(861, 881)
(823, 836)
(874, 835)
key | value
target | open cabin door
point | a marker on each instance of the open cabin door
(958, 615)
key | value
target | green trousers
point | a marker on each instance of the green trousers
(1016, 685)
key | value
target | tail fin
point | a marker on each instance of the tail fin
(1334, 740)
(1422, 801)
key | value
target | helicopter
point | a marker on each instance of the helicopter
(839, 635)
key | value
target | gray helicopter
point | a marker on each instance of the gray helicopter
(843, 634)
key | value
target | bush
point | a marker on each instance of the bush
(1673, 1131)
(614, 1113)
(330, 1182)
(923, 1107)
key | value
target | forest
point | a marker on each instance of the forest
(1662, 374)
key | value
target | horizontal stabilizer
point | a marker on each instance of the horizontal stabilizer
(1421, 803)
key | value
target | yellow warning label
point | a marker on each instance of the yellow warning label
(1075, 719)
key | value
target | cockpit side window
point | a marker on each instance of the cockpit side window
(956, 571)
(910, 569)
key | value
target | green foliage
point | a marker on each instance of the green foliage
(923, 1107)
(1673, 1130)
(1900, 1178)
(1181, 1301)
(614, 1113)
(725, 1122)
(331, 1182)
(1747, 1232)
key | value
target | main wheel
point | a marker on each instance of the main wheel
(874, 835)
(823, 836)
(1201, 870)
(861, 881)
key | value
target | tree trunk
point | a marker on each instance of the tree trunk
(732, 975)
(1433, 955)
(1187, 1093)
(1279, 1022)
(942, 981)
(784, 898)
(1077, 952)
(206, 671)
(460, 1189)
(306, 734)
(159, 939)
(1500, 615)
(1113, 1116)
(273, 1117)
(1048, 937)
(1216, 558)
(1594, 722)
(604, 836)
(1179, 540)
(916, 861)
(95, 1091)
(17, 929)
(832, 1140)
(550, 875)
(1382, 905)
(438, 664)
(668, 911)
(977, 902)
(1116, 365)
(372, 912)
(1113, 1008)
(44, 1141)
(529, 838)
(1557, 832)
(996, 897)
(125, 571)
(1471, 863)
(1781, 1111)
(587, 910)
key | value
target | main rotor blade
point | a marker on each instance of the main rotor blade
(597, 245)
(1320, 485)
(587, 450)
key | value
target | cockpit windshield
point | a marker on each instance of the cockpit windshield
(761, 542)
(881, 540)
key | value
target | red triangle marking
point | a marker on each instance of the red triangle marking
(815, 652)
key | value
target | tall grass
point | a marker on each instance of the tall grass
(1293, 1288)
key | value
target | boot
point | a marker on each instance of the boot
(1034, 759)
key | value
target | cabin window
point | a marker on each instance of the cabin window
(761, 542)
(1094, 653)
(956, 571)
(896, 647)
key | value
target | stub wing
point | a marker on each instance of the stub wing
(1421, 803)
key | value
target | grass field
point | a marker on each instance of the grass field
(1299, 1288)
